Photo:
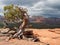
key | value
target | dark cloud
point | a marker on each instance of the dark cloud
(47, 8)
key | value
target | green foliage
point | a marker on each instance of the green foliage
(1, 25)
(12, 12)
(8, 7)
(34, 25)
(44, 26)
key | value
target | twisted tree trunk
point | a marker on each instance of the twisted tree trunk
(22, 26)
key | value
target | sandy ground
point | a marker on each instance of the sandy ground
(48, 36)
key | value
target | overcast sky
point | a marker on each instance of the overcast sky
(47, 8)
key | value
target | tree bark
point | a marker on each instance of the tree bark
(22, 26)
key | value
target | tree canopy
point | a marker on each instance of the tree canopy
(13, 13)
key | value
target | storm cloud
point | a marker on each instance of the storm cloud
(47, 8)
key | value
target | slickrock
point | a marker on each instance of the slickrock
(4, 30)
(46, 36)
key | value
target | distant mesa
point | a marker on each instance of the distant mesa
(40, 19)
